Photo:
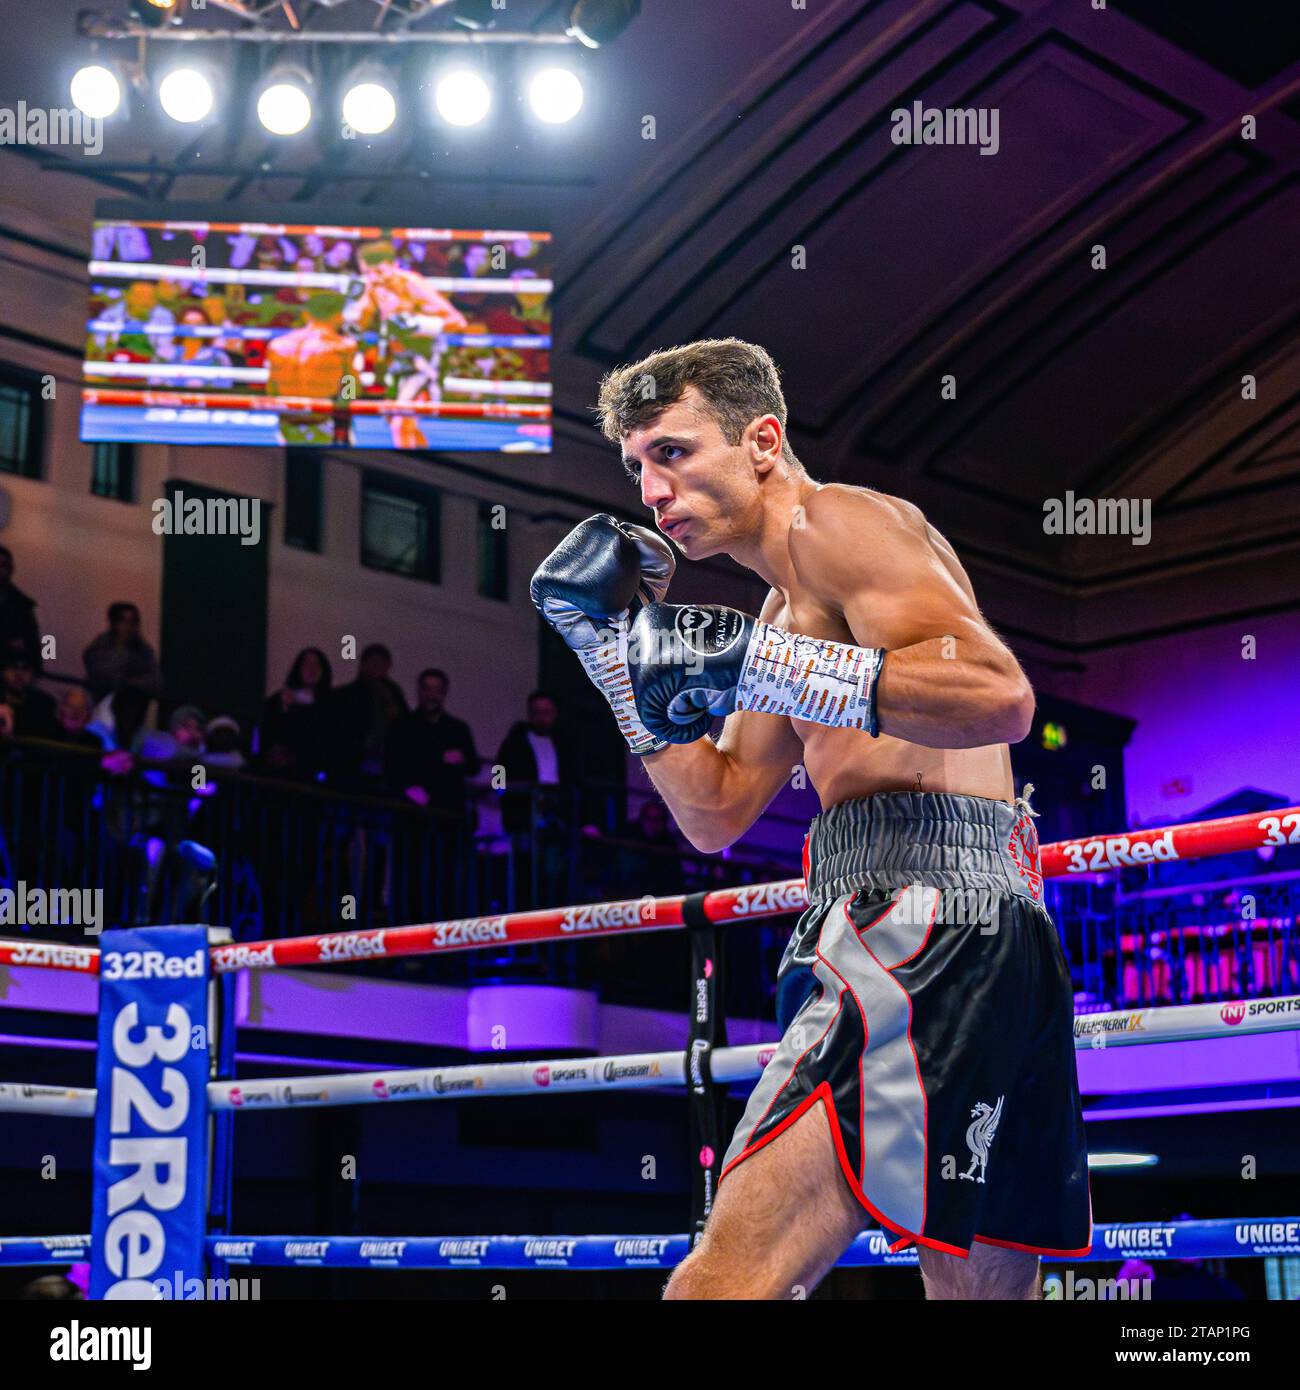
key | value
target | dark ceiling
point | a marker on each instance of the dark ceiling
(771, 204)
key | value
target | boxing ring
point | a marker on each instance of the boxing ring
(135, 1217)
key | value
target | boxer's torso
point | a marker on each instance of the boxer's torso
(841, 763)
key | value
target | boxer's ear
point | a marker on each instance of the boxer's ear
(765, 436)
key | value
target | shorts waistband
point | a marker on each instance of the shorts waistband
(939, 839)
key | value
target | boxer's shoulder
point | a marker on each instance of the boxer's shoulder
(843, 528)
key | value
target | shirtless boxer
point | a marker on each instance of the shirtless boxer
(926, 1073)
(312, 361)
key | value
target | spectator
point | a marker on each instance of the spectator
(121, 656)
(18, 631)
(73, 717)
(540, 766)
(293, 737)
(221, 739)
(362, 714)
(534, 751)
(119, 717)
(29, 713)
(182, 741)
(430, 753)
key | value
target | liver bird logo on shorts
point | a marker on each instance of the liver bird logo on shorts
(979, 1137)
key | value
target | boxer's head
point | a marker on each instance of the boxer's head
(702, 430)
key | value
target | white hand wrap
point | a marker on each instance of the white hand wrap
(606, 665)
(810, 678)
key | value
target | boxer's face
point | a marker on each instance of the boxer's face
(703, 491)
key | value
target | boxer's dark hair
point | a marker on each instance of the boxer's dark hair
(737, 382)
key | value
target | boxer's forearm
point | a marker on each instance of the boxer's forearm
(715, 793)
(949, 693)
(694, 780)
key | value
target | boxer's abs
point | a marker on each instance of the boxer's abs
(843, 764)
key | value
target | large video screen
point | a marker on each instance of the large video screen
(368, 337)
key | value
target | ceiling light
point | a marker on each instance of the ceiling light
(185, 94)
(369, 107)
(284, 107)
(95, 91)
(555, 95)
(462, 97)
(154, 13)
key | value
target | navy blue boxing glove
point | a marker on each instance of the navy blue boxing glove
(587, 589)
(690, 663)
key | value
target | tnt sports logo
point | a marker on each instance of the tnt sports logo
(1233, 1014)
(542, 1076)
(708, 631)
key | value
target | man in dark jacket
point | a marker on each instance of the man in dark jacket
(361, 715)
(18, 631)
(534, 752)
(120, 656)
(430, 754)
(30, 713)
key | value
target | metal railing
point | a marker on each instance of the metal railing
(297, 858)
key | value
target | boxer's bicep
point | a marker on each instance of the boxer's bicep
(893, 610)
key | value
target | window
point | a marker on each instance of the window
(22, 419)
(112, 471)
(493, 552)
(303, 493)
(400, 526)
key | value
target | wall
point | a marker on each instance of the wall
(75, 553)
(1206, 717)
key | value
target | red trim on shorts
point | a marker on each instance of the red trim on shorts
(1033, 1249)
(929, 1244)
(748, 1149)
(823, 1094)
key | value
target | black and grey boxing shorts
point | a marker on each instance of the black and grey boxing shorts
(933, 1023)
